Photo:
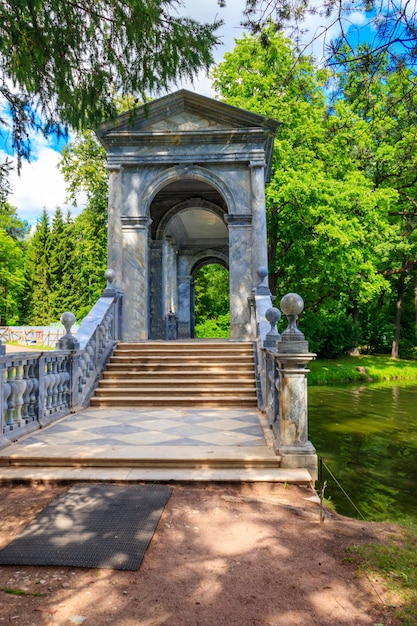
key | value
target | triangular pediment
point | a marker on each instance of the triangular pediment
(185, 111)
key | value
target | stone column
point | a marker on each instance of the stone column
(169, 272)
(156, 295)
(115, 234)
(135, 270)
(259, 234)
(173, 276)
(184, 300)
(240, 272)
(166, 295)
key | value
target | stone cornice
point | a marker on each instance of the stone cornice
(140, 222)
(238, 220)
(184, 137)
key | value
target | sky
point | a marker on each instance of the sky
(40, 184)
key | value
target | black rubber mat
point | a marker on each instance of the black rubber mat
(92, 525)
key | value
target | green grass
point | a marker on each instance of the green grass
(395, 563)
(20, 592)
(350, 369)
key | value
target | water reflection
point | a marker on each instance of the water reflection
(367, 435)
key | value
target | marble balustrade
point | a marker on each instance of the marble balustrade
(39, 387)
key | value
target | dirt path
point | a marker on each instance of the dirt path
(235, 555)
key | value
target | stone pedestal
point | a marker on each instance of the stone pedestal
(291, 426)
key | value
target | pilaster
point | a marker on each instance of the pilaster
(259, 230)
(240, 247)
(115, 234)
(135, 278)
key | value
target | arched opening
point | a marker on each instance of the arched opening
(211, 305)
(188, 232)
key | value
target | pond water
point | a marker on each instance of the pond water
(367, 436)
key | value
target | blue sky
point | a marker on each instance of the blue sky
(40, 183)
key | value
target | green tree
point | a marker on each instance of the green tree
(12, 233)
(211, 292)
(61, 63)
(62, 265)
(326, 222)
(83, 165)
(384, 124)
(11, 279)
(38, 309)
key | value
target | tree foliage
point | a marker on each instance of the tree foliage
(61, 63)
(212, 316)
(389, 25)
(331, 226)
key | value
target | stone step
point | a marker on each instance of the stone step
(184, 374)
(174, 393)
(47, 475)
(172, 359)
(192, 346)
(179, 367)
(188, 385)
(218, 401)
(179, 457)
(177, 376)
(150, 460)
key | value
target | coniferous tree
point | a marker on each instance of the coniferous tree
(62, 265)
(63, 62)
(38, 274)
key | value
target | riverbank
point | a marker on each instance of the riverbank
(357, 369)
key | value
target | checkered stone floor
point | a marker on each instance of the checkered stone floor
(153, 427)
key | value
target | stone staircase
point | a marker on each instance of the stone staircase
(217, 375)
(197, 374)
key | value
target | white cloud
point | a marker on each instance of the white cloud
(40, 184)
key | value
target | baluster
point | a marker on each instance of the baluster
(6, 393)
(91, 353)
(48, 385)
(60, 386)
(55, 383)
(26, 396)
(66, 381)
(34, 368)
(82, 379)
(103, 336)
(11, 373)
(20, 390)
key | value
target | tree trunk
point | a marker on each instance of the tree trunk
(397, 330)
(415, 304)
(355, 318)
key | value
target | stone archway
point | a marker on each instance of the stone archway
(186, 179)
(187, 224)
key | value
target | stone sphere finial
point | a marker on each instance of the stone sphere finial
(273, 316)
(262, 272)
(292, 305)
(262, 289)
(110, 276)
(68, 320)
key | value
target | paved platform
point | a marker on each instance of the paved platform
(151, 444)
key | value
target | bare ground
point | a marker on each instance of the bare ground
(222, 555)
